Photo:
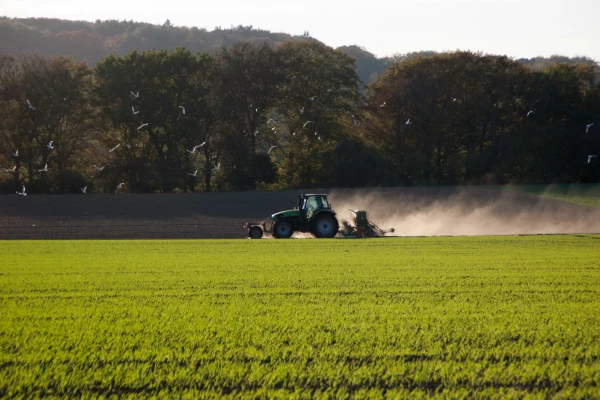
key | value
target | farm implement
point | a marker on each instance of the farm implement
(314, 215)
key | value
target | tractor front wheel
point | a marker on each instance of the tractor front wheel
(325, 226)
(283, 229)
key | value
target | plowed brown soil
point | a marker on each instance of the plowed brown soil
(222, 215)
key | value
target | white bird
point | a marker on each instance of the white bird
(383, 104)
(114, 148)
(14, 169)
(217, 166)
(530, 112)
(256, 132)
(302, 110)
(200, 145)
(97, 168)
(353, 119)
(319, 137)
(271, 148)
(408, 122)
(30, 106)
(133, 111)
(590, 157)
(15, 154)
(271, 120)
(50, 145)
(141, 126)
(195, 174)
(587, 128)
(294, 134)
(312, 98)
(182, 109)
(135, 95)
(45, 169)
(120, 185)
(308, 122)
(22, 192)
(315, 133)
(192, 151)
(274, 129)
(84, 190)
(454, 99)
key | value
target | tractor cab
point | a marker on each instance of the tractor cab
(310, 204)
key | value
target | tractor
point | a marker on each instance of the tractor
(313, 214)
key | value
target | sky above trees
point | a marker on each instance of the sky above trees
(517, 28)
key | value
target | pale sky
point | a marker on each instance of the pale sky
(517, 28)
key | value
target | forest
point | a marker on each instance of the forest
(263, 114)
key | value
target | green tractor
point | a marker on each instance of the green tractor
(313, 215)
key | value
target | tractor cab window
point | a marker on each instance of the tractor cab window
(315, 203)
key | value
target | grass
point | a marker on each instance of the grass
(582, 194)
(457, 317)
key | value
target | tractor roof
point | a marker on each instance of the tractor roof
(313, 194)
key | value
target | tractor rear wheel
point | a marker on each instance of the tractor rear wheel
(283, 229)
(325, 226)
(255, 232)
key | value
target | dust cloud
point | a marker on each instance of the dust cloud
(465, 211)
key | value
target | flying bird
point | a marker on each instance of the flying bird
(30, 106)
(142, 126)
(530, 112)
(274, 129)
(84, 190)
(587, 128)
(114, 148)
(45, 169)
(353, 119)
(182, 109)
(14, 169)
(308, 122)
(408, 122)
(383, 104)
(294, 134)
(312, 98)
(50, 145)
(195, 174)
(22, 192)
(15, 154)
(454, 99)
(302, 110)
(217, 166)
(271, 120)
(590, 157)
(256, 132)
(133, 111)
(120, 185)
(271, 148)
(97, 168)
(135, 95)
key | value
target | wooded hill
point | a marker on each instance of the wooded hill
(92, 41)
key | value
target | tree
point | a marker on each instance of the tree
(141, 96)
(47, 100)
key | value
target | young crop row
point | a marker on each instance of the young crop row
(456, 317)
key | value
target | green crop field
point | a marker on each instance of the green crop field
(457, 317)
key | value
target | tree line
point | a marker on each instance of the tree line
(259, 117)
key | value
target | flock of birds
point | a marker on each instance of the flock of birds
(216, 166)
